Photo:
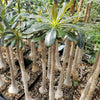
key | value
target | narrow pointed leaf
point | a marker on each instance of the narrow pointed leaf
(13, 43)
(7, 43)
(9, 32)
(49, 10)
(50, 37)
(35, 28)
(54, 12)
(38, 38)
(1, 27)
(64, 9)
(80, 41)
(72, 36)
(20, 44)
(9, 36)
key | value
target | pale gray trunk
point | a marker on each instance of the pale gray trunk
(65, 51)
(35, 66)
(80, 54)
(13, 61)
(59, 92)
(75, 65)
(49, 63)
(93, 81)
(51, 85)
(95, 63)
(67, 81)
(86, 89)
(13, 88)
(24, 77)
(1, 81)
(57, 59)
(2, 63)
(43, 89)
(39, 47)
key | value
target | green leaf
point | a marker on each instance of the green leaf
(2, 41)
(64, 9)
(49, 10)
(13, 42)
(61, 33)
(20, 44)
(38, 38)
(54, 12)
(36, 27)
(7, 43)
(72, 36)
(1, 27)
(80, 40)
(50, 37)
(9, 36)
(8, 32)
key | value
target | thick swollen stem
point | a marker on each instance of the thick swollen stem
(24, 77)
(79, 58)
(65, 51)
(2, 63)
(57, 59)
(13, 61)
(59, 92)
(35, 66)
(87, 87)
(94, 81)
(43, 89)
(31, 53)
(74, 66)
(13, 88)
(96, 60)
(18, 57)
(86, 90)
(1, 82)
(49, 63)
(67, 81)
(51, 85)
(40, 47)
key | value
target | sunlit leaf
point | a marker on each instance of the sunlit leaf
(50, 37)
(54, 12)
(8, 37)
(64, 9)
(36, 27)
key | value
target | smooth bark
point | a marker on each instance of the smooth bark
(67, 80)
(1, 82)
(74, 71)
(35, 66)
(43, 89)
(13, 88)
(51, 85)
(94, 81)
(2, 63)
(49, 63)
(57, 59)
(59, 92)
